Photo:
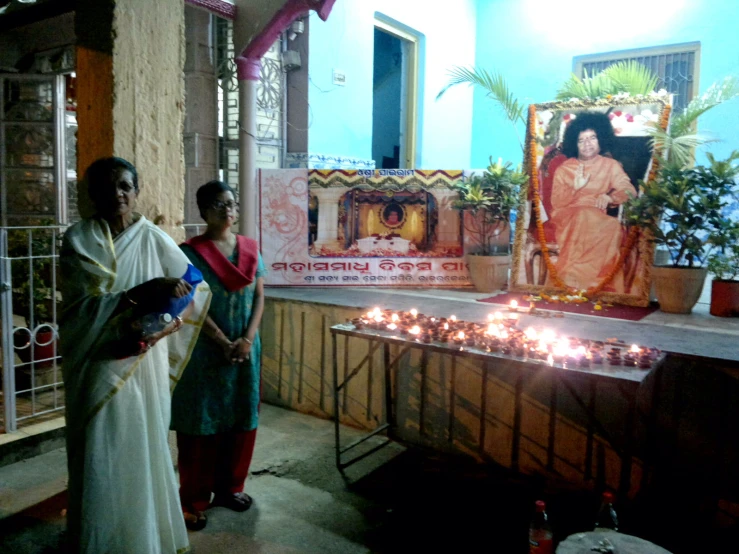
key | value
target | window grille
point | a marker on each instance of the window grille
(270, 102)
(675, 65)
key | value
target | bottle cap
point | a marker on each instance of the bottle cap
(608, 497)
(165, 318)
(541, 506)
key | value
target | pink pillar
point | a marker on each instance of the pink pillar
(248, 65)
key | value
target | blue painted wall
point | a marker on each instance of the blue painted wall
(340, 118)
(532, 43)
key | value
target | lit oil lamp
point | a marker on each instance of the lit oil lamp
(459, 339)
(415, 330)
(498, 316)
(513, 306)
(394, 318)
(414, 313)
(392, 327)
(531, 334)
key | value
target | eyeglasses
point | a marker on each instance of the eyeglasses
(591, 138)
(218, 205)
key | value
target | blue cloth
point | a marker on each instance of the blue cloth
(177, 305)
(214, 396)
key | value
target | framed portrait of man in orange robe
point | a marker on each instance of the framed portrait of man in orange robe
(585, 159)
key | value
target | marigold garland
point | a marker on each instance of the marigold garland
(631, 238)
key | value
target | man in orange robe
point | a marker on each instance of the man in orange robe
(589, 240)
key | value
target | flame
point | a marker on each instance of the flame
(514, 304)
(446, 326)
(492, 330)
(547, 335)
(635, 348)
(378, 318)
(392, 326)
(414, 312)
(550, 359)
(491, 317)
(414, 330)
(504, 335)
(394, 318)
(531, 333)
(453, 317)
(461, 335)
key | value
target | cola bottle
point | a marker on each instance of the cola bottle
(540, 532)
(606, 517)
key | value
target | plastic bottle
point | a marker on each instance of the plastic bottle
(153, 323)
(540, 533)
(606, 517)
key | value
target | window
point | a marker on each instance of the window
(676, 65)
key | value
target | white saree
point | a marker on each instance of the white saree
(123, 494)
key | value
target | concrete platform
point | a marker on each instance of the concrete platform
(699, 333)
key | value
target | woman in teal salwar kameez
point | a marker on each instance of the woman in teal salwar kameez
(215, 404)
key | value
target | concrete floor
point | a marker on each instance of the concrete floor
(396, 501)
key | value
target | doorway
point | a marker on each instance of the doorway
(394, 86)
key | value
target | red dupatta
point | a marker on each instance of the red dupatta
(233, 277)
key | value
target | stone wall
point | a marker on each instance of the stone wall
(149, 96)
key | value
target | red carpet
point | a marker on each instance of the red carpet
(629, 313)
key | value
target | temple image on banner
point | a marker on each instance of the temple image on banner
(383, 213)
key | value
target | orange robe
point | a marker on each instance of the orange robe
(589, 240)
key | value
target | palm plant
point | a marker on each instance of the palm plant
(495, 88)
(679, 141)
(627, 76)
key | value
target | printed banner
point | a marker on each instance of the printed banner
(361, 227)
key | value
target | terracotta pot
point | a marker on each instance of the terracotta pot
(488, 273)
(725, 298)
(43, 345)
(678, 288)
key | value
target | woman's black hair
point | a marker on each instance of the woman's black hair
(598, 123)
(100, 174)
(208, 193)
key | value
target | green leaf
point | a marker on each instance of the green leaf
(493, 84)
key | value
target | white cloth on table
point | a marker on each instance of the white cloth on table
(395, 244)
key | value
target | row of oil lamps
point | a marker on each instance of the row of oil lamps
(500, 334)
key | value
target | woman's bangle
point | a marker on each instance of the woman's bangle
(128, 298)
(247, 340)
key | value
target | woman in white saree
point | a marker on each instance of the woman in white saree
(117, 266)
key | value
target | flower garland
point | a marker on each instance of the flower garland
(632, 236)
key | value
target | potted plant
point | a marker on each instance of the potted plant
(724, 266)
(683, 210)
(485, 202)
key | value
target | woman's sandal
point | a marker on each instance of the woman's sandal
(238, 502)
(195, 521)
